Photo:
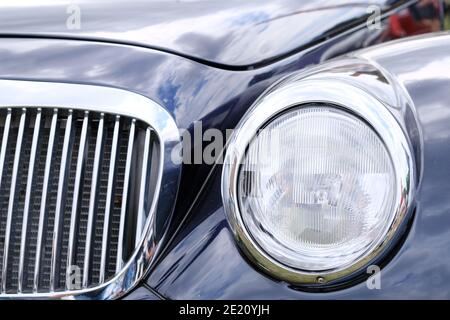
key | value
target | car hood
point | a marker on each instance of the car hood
(235, 33)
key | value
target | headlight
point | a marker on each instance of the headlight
(317, 188)
(317, 180)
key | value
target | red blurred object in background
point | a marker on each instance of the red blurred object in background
(423, 17)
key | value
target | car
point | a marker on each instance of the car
(224, 150)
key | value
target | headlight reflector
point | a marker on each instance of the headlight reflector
(316, 188)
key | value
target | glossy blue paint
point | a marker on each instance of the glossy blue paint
(205, 262)
(228, 33)
(142, 293)
(202, 74)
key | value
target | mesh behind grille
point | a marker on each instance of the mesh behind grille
(51, 216)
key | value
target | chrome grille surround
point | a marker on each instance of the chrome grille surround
(152, 216)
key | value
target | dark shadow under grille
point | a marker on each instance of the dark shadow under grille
(93, 233)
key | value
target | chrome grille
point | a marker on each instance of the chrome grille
(75, 188)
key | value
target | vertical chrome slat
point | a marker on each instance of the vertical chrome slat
(59, 200)
(125, 196)
(87, 253)
(3, 151)
(76, 192)
(112, 167)
(11, 198)
(140, 213)
(48, 162)
(4, 142)
(26, 208)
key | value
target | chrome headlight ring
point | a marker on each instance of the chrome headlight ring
(346, 95)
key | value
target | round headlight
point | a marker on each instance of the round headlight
(317, 188)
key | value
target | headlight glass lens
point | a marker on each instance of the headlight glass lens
(316, 188)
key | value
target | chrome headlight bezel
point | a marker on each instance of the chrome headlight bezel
(295, 92)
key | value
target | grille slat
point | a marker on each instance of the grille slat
(42, 213)
(92, 204)
(5, 137)
(73, 183)
(11, 199)
(142, 188)
(120, 247)
(26, 208)
(60, 203)
(109, 193)
(76, 193)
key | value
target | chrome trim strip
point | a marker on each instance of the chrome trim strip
(140, 214)
(51, 140)
(59, 199)
(90, 224)
(112, 168)
(26, 209)
(115, 101)
(11, 198)
(76, 193)
(119, 261)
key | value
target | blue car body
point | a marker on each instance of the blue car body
(209, 62)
